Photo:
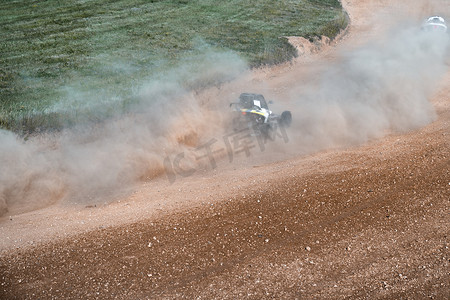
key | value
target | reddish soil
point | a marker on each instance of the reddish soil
(368, 221)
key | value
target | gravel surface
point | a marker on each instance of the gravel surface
(369, 221)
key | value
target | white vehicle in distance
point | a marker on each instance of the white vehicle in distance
(435, 23)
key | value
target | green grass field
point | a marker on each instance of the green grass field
(59, 57)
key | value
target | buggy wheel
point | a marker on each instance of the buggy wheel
(285, 119)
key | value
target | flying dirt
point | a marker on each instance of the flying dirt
(378, 87)
(90, 162)
(353, 204)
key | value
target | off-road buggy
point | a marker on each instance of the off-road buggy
(251, 111)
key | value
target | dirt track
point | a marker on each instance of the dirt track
(363, 222)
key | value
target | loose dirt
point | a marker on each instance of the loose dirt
(368, 221)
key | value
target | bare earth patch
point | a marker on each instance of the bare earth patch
(368, 221)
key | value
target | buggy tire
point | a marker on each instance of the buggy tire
(286, 119)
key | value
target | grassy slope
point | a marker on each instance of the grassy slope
(109, 44)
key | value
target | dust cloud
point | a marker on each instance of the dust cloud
(367, 92)
(380, 87)
(91, 161)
